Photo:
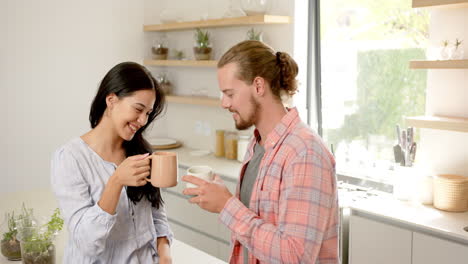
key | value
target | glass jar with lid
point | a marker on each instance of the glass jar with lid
(230, 145)
(242, 144)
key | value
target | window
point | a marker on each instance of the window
(366, 85)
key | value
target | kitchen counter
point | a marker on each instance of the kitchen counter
(383, 205)
(224, 167)
(416, 216)
(44, 203)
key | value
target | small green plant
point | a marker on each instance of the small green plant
(445, 43)
(11, 225)
(202, 38)
(37, 241)
(10, 245)
(202, 47)
(458, 43)
(254, 35)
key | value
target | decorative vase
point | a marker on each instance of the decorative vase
(457, 53)
(255, 7)
(10, 245)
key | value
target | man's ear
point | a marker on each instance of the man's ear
(259, 85)
(111, 99)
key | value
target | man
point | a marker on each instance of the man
(285, 209)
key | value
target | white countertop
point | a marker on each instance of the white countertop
(221, 166)
(384, 205)
(44, 203)
(414, 214)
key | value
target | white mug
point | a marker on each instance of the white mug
(202, 172)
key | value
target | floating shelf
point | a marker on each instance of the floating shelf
(439, 122)
(206, 101)
(440, 3)
(182, 63)
(224, 22)
(439, 64)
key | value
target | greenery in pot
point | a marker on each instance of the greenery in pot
(37, 240)
(202, 47)
(457, 51)
(254, 35)
(160, 52)
(10, 246)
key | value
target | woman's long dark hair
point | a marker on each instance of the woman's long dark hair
(123, 80)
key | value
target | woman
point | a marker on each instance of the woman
(113, 215)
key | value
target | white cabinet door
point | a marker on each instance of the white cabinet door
(371, 242)
(431, 250)
(196, 240)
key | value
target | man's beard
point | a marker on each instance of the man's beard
(251, 118)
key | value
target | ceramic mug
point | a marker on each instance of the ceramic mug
(163, 169)
(202, 172)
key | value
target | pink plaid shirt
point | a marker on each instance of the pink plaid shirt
(293, 214)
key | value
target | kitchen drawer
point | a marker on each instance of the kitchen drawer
(196, 240)
(432, 250)
(190, 214)
(224, 252)
(373, 242)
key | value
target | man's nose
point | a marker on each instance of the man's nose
(225, 102)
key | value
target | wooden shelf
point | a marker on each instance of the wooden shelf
(223, 22)
(439, 64)
(440, 3)
(181, 63)
(439, 122)
(206, 101)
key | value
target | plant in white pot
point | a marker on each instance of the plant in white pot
(254, 35)
(457, 50)
(445, 50)
(37, 240)
(202, 49)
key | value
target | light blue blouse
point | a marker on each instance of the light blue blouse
(78, 177)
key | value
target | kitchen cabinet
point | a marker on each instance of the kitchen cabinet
(373, 242)
(432, 250)
(195, 226)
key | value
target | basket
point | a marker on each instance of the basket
(451, 193)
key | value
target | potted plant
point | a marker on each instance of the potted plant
(202, 49)
(444, 50)
(164, 83)
(457, 51)
(160, 51)
(254, 35)
(10, 246)
(37, 240)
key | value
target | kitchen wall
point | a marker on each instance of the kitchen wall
(447, 94)
(53, 55)
(195, 126)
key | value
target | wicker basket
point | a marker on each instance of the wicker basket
(451, 193)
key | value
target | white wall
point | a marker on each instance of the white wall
(447, 94)
(181, 120)
(53, 55)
